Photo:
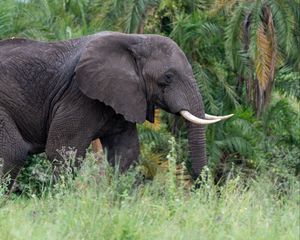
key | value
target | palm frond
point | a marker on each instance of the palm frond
(278, 118)
(112, 12)
(206, 86)
(285, 22)
(236, 145)
(232, 39)
(218, 5)
(237, 138)
(222, 77)
(7, 11)
(287, 82)
(255, 9)
(134, 16)
(263, 58)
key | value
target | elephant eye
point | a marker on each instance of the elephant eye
(168, 77)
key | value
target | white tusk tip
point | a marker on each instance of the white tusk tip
(208, 116)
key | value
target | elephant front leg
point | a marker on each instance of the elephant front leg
(122, 148)
(65, 144)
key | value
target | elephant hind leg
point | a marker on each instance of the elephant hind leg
(13, 149)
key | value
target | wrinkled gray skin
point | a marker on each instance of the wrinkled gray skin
(68, 93)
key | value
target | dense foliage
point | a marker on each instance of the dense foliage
(245, 57)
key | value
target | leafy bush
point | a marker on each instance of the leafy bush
(36, 176)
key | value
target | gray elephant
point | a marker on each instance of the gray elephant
(68, 93)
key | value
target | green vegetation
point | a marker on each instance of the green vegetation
(245, 57)
(115, 206)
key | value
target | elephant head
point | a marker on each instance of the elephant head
(135, 73)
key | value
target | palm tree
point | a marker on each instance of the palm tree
(127, 16)
(259, 35)
(48, 19)
(200, 39)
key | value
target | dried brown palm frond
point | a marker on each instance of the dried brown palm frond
(263, 58)
(183, 178)
(266, 58)
(266, 53)
(157, 121)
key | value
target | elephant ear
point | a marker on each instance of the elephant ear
(108, 71)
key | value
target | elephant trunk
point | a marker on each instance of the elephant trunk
(196, 133)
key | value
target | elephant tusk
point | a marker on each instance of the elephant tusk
(208, 116)
(190, 117)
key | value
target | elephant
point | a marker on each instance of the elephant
(68, 93)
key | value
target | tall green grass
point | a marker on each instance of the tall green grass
(114, 206)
